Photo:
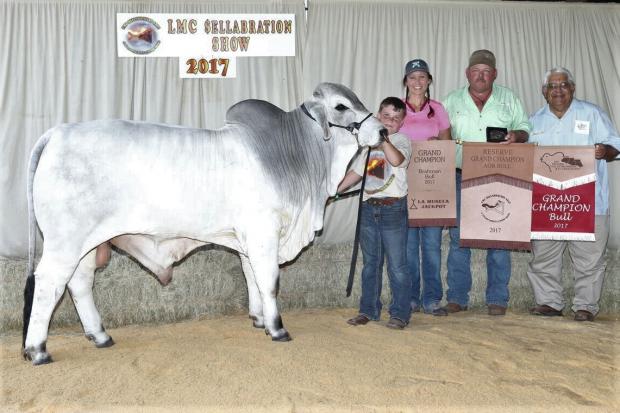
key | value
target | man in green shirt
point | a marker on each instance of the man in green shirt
(472, 109)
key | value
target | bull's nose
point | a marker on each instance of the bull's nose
(384, 134)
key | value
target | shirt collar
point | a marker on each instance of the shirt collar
(468, 97)
(425, 108)
(575, 104)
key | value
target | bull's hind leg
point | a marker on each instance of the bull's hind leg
(81, 289)
(255, 303)
(51, 277)
(263, 254)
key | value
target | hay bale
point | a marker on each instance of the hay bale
(210, 283)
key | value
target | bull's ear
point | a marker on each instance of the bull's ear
(317, 111)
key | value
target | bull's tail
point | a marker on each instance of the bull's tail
(32, 232)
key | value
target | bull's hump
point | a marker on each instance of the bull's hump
(255, 113)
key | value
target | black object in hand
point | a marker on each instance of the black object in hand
(496, 134)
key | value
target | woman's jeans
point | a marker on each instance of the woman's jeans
(383, 232)
(428, 239)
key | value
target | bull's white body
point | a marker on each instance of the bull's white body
(159, 191)
(176, 183)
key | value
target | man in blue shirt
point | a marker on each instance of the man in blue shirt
(568, 121)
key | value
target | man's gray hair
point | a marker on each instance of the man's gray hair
(559, 69)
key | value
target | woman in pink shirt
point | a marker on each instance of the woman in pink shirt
(425, 119)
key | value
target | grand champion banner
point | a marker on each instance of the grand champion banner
(432, 190)
(564, 193)
(496, 195)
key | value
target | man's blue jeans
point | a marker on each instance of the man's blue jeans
(459, 271)
(383, 232)
(429, 239)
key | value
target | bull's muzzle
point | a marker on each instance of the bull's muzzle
(383, 133)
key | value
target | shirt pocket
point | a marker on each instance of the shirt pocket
(503, 114)
(459, 121)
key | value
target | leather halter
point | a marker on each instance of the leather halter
(352, 127)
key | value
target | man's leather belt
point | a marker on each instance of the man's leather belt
(382, 201)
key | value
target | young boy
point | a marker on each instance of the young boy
(383, 226)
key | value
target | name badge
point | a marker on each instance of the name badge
(582, 127)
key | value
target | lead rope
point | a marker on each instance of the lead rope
(356, 241)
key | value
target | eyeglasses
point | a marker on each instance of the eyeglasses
(554, 86)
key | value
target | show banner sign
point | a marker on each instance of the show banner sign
(432, 189)
(496, 195)
(207, 44)
(564, 193)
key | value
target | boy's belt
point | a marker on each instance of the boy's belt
(382, 201)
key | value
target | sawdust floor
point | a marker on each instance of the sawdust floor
(464, 362)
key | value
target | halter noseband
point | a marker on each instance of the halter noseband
(353, 127)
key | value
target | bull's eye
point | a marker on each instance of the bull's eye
(341, 108)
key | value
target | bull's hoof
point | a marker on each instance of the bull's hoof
(101, 339)
(42, 359)
(38, 356)
(283, 337)
(108, 343)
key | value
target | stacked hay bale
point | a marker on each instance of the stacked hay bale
(210, 283)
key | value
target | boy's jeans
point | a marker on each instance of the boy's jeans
(383, 232)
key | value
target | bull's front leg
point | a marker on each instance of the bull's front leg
(263, 256)
(255, 302)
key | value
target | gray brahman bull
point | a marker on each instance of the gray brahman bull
(258, 186)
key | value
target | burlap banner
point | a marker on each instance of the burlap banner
(564, 193)
(432, 191)
(496, 195)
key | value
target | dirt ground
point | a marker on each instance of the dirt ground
(464, 362)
